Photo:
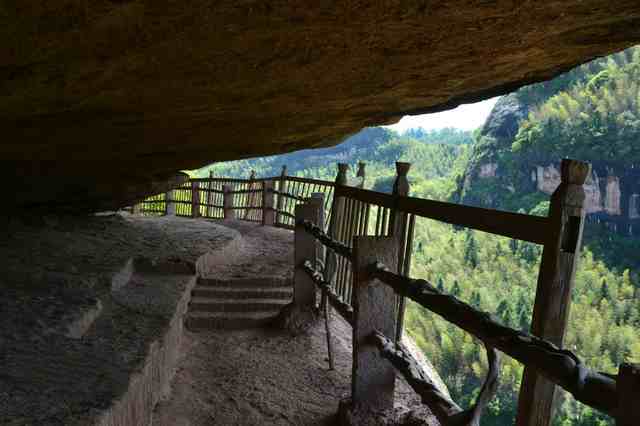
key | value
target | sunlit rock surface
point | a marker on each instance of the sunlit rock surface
(95, 95)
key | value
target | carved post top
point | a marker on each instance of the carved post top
(574, 172)
(361, 168)
(401, 183)
(402, 168)
(210, 174)
(284, 171)
(341, 177)
(252, 176)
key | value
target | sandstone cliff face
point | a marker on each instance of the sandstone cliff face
(612, 192)
(98, 95)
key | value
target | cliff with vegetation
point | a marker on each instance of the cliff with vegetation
(591, 113)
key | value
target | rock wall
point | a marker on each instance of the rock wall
(609, 197)
(100, 97)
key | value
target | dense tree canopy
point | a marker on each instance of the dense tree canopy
(596, 119)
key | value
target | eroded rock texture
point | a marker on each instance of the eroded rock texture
(97, 94)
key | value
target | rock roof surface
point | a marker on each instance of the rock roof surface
(96, 96)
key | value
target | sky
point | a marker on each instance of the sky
(465, 117)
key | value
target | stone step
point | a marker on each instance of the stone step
(228, 320)
(234, 292)
(200, 304)
(262, 282)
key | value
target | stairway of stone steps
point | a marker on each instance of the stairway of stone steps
(249, 290)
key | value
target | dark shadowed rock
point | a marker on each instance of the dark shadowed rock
(95, 96)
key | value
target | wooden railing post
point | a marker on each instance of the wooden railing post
(251, 199)
(227, 202)
(268, 198)
(555, 284)
(335, 222)
(210, 195)
(169, 205)
(317, 198)
(195, 199)
(304, 290)
(281, 190)
(628, 388)
(401, 188)
(361, 173)
(373, 377)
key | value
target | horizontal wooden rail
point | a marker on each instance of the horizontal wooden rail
(294, 197)
(245, 191)
(339, 305)
(339, 248)
(309, 180)
(287, 214)
(560, 366)
(523, 227)
(218, 206)
(245, 208)
(440, 404)
(207, 179)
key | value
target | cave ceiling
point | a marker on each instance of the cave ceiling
(102, 101)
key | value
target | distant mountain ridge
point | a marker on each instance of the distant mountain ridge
(372, 144)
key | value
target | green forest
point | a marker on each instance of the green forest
(591, 111)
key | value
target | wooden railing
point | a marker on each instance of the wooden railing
(364, 228)
(269, 200)
(370, 303)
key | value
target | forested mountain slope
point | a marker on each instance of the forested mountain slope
(591, 113)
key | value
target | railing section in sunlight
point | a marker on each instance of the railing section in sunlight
(374, 277)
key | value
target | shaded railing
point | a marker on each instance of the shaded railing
(370, 304)
(338, 257)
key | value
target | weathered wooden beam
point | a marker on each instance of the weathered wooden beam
(317, 232)
(195, 199)
(343, 308)
(282, 183)
(399, 221)
(169, 205)
(335, 222)
(560, 366)
(628, 395)
(524, 227)
(310, 180)
(441, 405)
(268, 200)
(373, 378)
(304, 291)
(555, 284)
(210, 195)
(227, 202)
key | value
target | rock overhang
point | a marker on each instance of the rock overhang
(99, 97)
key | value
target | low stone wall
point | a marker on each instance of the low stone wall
(152, 382)
(92, 314)
(149, 385)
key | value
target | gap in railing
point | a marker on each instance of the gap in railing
(445, 255)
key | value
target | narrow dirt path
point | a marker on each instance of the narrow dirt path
(261, 376)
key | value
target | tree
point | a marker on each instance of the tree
(504, 312)
(476, 300)
(604, 290)
(455, 290)
(471, 251)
